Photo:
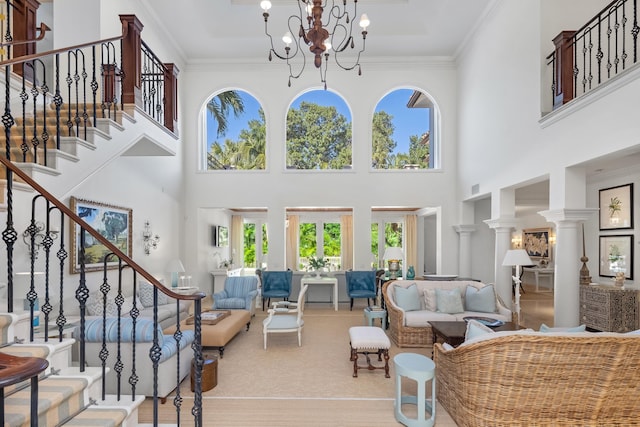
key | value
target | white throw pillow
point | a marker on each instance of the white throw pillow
(476, 329)
(145, 293)
(430, 299)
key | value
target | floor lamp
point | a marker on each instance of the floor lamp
(516, 258)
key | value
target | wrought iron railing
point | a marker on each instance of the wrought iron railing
(600, 50)
(65, 93)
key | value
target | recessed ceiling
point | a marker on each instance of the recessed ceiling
(217, 30)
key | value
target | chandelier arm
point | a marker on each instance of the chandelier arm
(356, 64)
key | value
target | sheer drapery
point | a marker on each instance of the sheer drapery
(237, 240)
(293, 229)
(346, 242)
(411, 240)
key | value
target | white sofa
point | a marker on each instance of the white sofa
(409, 324)
(168, 308)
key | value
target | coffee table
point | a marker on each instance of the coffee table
(452, 332)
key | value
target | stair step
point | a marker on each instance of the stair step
(98, 416)
(58, 398)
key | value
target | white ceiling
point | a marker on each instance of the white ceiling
(215, 30)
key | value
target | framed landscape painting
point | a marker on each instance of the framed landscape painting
(616, 255)
(536, 242)
(616, 207)
(112, 222)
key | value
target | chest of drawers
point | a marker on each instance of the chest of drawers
(609, 308)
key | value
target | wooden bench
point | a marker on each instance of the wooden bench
(365, 340)
(219, 335)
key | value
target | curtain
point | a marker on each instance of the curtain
(237, 240)
(411, 236)
(346, 250)
(293, 228)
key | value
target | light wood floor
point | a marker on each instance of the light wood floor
(537, 308)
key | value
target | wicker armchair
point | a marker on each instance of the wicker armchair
(402, 335)
(541, 379)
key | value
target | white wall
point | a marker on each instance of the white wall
(359, 188)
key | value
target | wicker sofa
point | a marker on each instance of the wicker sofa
(412, 329)
(528, 378)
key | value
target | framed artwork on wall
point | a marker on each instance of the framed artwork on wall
(616, 207)
(223, 236)
(616, 255)
(536, 242)
(112, 222)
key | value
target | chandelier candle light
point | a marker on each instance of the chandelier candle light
(320, 37)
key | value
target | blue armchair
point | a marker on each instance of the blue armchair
(276, 284)
(361, 284)
(239, 292)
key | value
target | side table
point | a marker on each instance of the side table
(370, 314)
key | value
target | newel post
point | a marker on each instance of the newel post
(564, 76)
(132, 60)
(171, 96)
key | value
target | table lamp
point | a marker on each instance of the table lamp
(393, 255)
(174, 267)
(517, 258)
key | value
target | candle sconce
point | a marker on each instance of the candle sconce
(150, 240)
(36, 236)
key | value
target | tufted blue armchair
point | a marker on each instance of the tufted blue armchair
(276, 284)
(239, 292)
(361, 284)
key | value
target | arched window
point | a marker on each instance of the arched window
(402, 131)
(318, 132)
(235, 132)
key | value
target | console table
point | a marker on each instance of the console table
(610, 308)
(323, 281)
(540, 271)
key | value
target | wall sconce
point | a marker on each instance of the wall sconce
(516, 241)
(36, 234)
(150, 241)
(552, 239)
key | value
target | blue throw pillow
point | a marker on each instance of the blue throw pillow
(545, 328)
(449, 301)
(407, 298)
(482, 300)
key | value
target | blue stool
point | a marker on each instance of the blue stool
(420, 369)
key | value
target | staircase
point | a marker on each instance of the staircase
(52, 144)
(66, 396)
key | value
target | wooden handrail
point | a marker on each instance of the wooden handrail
(43, 29)
(113, 248)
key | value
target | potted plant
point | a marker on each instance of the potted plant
(318, 264)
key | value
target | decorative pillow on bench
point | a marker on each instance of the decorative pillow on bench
(407, 298)
(449, 301)
(545, 328)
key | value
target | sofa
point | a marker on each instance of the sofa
(527, 378)
(96, 329)
(410, 312)
(168, 309)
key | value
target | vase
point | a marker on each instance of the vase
(411, 273)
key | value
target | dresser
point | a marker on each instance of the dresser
(610, 308)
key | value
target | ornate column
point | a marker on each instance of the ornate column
(567, 263)
(464, 248)
(503, 281)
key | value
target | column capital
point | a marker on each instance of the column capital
(465, 228)
(568, 215)
(502, 223)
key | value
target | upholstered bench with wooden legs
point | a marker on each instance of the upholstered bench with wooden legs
(369, 339)
(221, 333)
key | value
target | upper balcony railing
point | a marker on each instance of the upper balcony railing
(600, 50)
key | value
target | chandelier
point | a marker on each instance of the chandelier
(322, 38)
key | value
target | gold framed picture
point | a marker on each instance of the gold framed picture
(112, 222)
